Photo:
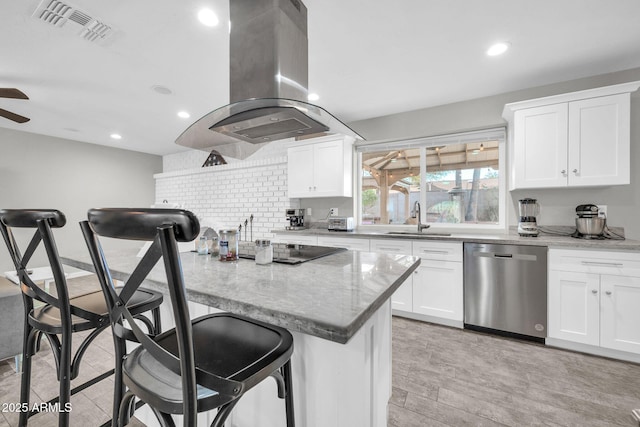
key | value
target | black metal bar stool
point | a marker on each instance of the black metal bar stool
(58, 316)
(202, 364)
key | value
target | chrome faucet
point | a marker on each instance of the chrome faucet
(416, 213)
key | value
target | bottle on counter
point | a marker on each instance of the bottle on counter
(228, 245)
(264, 252)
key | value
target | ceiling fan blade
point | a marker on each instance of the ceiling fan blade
(13, 116)
(6, 92)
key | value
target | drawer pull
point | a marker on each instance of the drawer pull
(603, 264)
(608, 292)
(593, 291)
(429, 251)
(389, 249)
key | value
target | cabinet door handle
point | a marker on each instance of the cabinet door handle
(608, 292)
(575, 171)
(593, 291)
(563, 171)
(603, 264)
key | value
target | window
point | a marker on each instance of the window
(457, 179)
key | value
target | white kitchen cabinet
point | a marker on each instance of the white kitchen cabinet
(620, 308)
(402, 298)
(321, 168)
(578, 139)
(437, 282)
(594, 298)
(574, 304)
(352, 243)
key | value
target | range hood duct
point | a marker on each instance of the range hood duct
(268, 87)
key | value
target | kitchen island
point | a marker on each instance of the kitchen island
(337, 308)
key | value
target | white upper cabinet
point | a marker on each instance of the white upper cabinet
(321, 168)
(578, 139)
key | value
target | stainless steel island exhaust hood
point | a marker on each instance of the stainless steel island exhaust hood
(269, 78)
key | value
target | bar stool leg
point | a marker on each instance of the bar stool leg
(25, 380)
(286, 372)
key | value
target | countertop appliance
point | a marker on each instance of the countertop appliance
(340, 223)
(528, 210)
(505, 289)
(296, 219)
(589, 223)
(285, 253)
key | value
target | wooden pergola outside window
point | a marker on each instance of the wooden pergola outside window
(399, 170)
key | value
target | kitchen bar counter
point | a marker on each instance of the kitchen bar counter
(511, 238)
(338, 310)
(330, 297)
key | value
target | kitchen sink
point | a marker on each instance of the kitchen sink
(416, 234)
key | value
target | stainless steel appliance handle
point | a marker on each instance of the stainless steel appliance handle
(603, 264)
(506, 257)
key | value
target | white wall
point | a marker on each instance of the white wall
(38, 171)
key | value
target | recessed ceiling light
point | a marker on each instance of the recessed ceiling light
(116, 136)
(313, 97)
(183, 114)
(208, 17)
(498, 49)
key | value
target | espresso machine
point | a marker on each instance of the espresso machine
(528, 210)
(296, 219)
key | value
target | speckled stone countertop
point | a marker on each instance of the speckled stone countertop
(330, 297)
(543, 239)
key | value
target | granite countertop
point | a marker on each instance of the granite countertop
(330, 297)
(512, 237)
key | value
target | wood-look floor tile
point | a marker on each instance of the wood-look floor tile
(505, 381)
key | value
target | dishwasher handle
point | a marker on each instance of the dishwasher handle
(506, 257)
(503, 255)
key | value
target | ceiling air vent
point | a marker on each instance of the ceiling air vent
(72, 20)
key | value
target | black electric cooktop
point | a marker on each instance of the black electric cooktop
(285, 253)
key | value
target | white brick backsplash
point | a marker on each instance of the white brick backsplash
(226, 195)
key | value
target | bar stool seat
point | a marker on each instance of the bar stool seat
(245, 350)
(47, 318)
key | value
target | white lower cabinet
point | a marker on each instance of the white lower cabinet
(620, 313)
(574, 306)
(437, 283)
(594, 300)
(402, 298)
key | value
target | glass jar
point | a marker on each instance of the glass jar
(202, 247)
(213, 247)
(264, 252)
(228, 241)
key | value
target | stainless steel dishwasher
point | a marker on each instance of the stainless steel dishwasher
(505, 289)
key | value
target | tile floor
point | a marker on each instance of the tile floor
(450, 377)
(441, 377)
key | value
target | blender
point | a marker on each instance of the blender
(528, 210)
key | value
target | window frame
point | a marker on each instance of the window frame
(499, 134)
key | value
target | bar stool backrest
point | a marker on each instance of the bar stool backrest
(164, 227)
(42, 220)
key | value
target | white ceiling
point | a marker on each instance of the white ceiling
(367, 58)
